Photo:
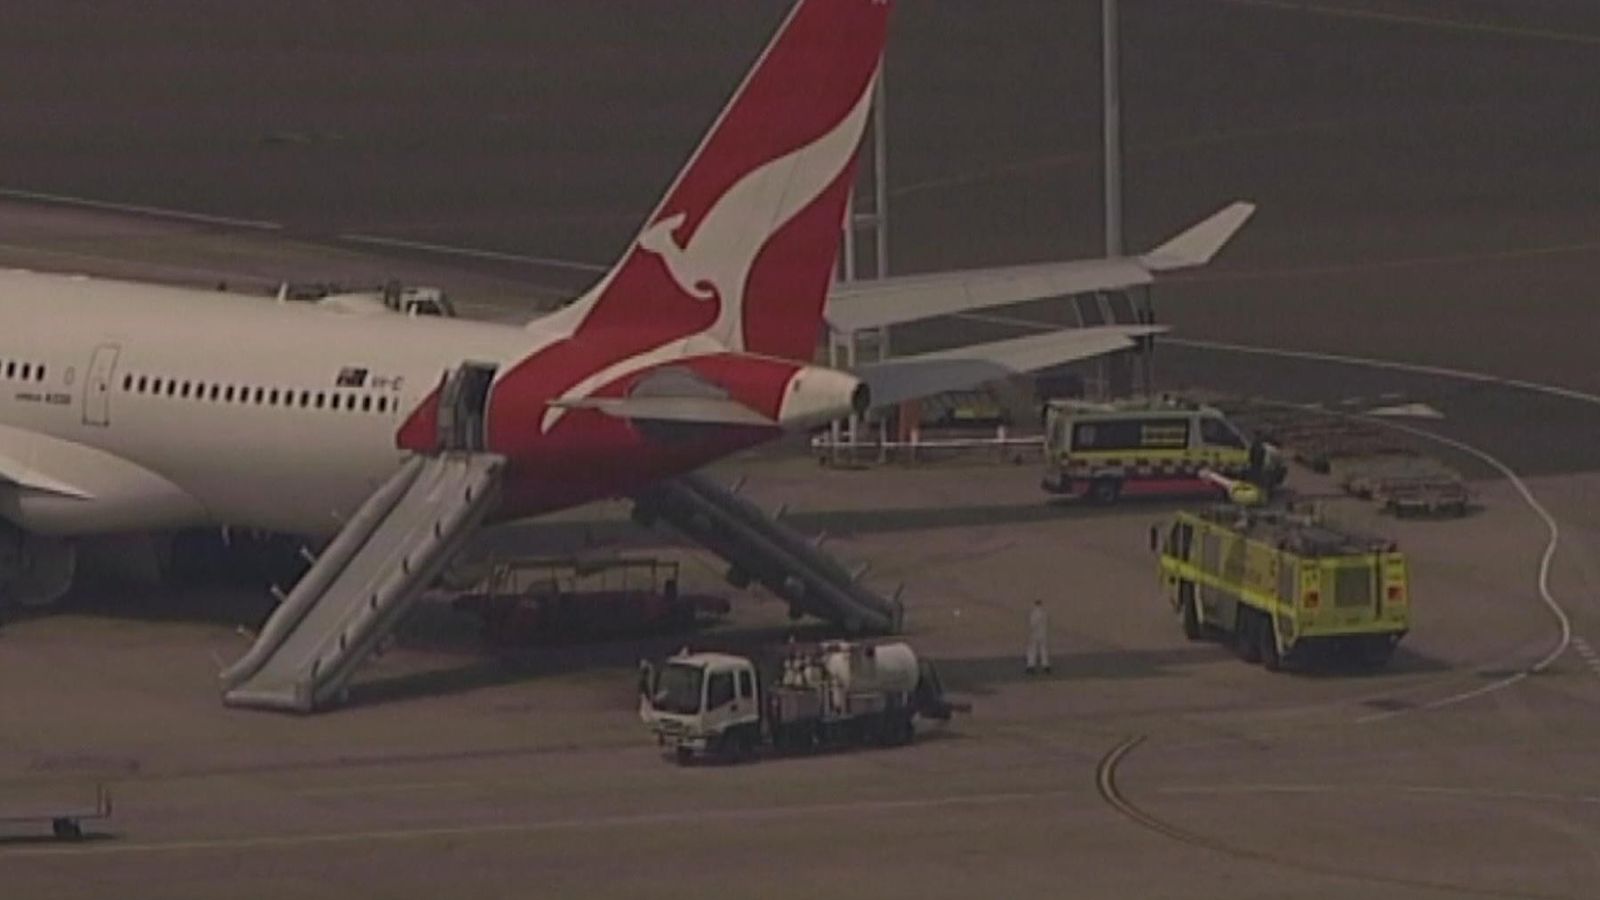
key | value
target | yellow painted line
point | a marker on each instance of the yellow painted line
(640, 820)
(1418, 21)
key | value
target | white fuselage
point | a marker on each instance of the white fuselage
(134, 407)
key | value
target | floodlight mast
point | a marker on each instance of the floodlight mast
(1112, 106)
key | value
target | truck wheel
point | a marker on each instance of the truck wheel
(66, 829)
(1270, 660)
(902, 731)
(1104, 491)
(1191, 612)
(1244, 636)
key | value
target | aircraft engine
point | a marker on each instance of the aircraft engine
(35, 570)
(816, 394)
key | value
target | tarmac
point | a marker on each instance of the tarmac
(1143, 765)
(1423, 173)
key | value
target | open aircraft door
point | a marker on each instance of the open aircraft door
(464, 407)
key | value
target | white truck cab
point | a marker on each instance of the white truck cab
(701, 702)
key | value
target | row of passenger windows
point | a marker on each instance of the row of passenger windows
(22, 371)
(348, 401)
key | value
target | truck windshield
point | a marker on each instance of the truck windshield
(678, 689)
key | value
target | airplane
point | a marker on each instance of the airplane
(138, 409)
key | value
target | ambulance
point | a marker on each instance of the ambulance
(1162, 447)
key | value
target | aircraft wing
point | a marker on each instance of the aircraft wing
(16, 472)
(912, 377)
(860, 305)
(906, 378)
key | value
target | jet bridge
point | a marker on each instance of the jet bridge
(364, 582)
(762, 549)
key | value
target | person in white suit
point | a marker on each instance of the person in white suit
(1038, 654)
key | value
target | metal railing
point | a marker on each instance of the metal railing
(1002, 443)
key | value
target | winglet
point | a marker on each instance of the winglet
(1200, 243)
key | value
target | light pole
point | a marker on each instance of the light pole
(1112, 83)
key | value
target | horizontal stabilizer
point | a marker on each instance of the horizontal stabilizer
(963, 367)
(691, 410)
(1199, 244)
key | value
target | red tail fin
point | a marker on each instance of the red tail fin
(743, 246)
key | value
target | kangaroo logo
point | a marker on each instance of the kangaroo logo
(714, 262)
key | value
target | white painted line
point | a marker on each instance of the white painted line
(98, 259)
(1392, 365)
(137, 209)
(1426, 22)
(1420, 789)
(1590, 657)
(1407, 411)
(1545, 561)
(685, 817)
(1554, 530)
(472, 252)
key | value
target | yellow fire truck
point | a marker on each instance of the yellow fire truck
(1163, 447)
(1278, 584)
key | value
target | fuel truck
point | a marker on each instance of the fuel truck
(834, 694)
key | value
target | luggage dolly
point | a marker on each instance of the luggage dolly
(66, 825)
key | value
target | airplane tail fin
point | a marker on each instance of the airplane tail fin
(742, 248)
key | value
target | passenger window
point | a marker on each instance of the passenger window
(746, 684)
(719, 690)
(366, 403)
(261, 395)
(11, 370)
(305, 398)
(39, 372)
(272, 397)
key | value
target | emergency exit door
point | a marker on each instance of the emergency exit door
(97, 386)
(464, 407)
